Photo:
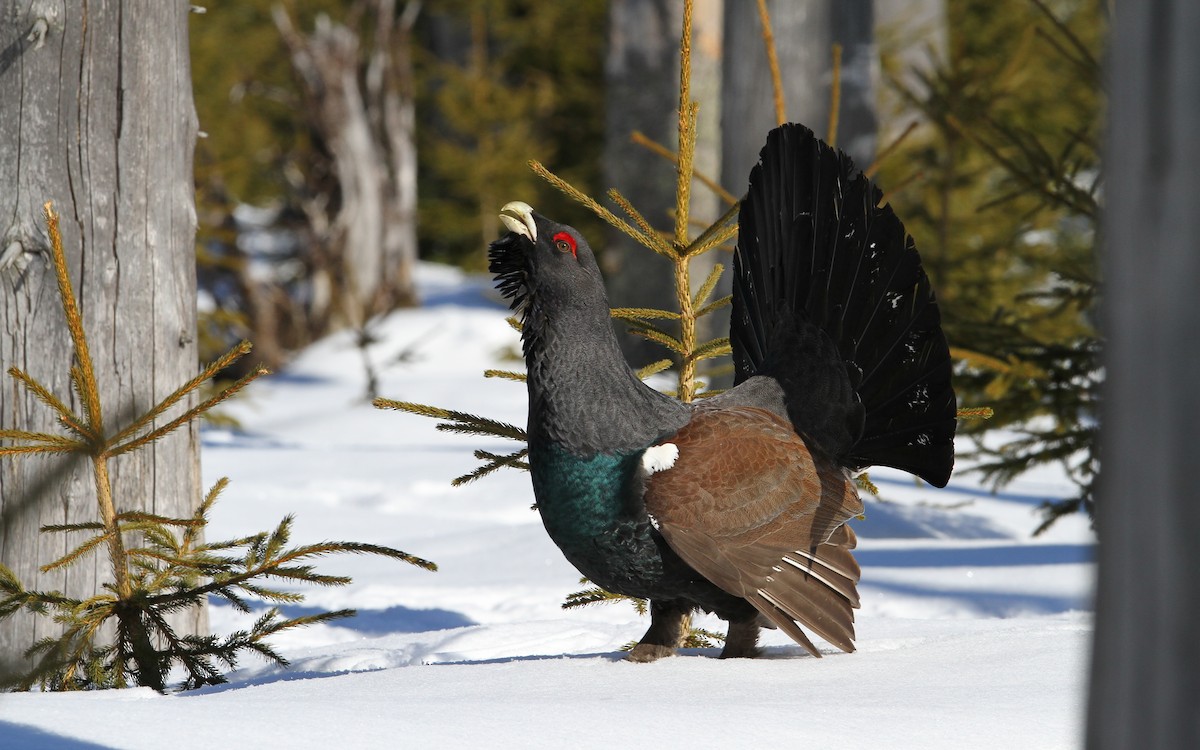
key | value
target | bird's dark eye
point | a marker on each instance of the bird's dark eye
(565, 243)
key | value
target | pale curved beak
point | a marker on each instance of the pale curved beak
(518, 217)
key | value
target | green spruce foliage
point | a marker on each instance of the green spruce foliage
(160, 565)
(501, 82)
(1005, 207)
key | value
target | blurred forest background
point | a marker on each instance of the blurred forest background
(342, 140)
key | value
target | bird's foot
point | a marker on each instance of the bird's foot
(669, 625)
(741, 641)
(648, 652)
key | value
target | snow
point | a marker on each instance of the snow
(972, 633)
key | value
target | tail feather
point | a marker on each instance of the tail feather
(817, 251)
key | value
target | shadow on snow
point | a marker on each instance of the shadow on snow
(25, 737)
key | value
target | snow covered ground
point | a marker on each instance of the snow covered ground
(972, 633)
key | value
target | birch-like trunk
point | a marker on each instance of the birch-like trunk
(362, 106)
(96, 115)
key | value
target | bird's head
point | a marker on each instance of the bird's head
(543, 266)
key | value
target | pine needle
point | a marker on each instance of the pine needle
(654, 368)
(715, 305)
(209, 372)
(661, 246)
(706, 289)
(719, 232)
(43, 394)
(189, 415)
(461, 422)
(578, 196)
(976, 412)
(710, 349)
(84, 375)
(505, 374)
(493, 463)
(75, 554)
(642, 313)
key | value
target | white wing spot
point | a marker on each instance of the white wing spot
(659, 457)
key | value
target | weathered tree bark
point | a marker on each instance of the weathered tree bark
(96, 115)
(642, 75)
(804, 31)
(1146, 657)
(366, 117)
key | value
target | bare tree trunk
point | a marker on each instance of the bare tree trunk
(366, 119)
(642, 76)
(804, 32)
(96, 115)
(1145, 682)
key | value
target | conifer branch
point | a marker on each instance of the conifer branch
(717, 233)
(715, 305)
(772, 62)
(639, 314)
(188, 415)
(887, 150)
(661, 246)
(76, 553)
(655, 147)
(520, 377)
(1086, 59)
(580, 197)
(864, 482)
(40, 437)
(458, 421)
(649, 332)
(654, 368)
(209, 372)
(41, 393)
(706, 289)
(65, 527)
(701, 638)
(597, 595)
(493, 463)
(71, 447)
(835, 96)
(977, 412)
(709, 349)
(86, 379)
(166, 573)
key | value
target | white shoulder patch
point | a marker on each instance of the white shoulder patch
(659, 457)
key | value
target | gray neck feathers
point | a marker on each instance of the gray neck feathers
(582, 394)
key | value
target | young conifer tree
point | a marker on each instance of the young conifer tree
(160, 564)
(1005, 209)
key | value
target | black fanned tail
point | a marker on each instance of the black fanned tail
(816, 251)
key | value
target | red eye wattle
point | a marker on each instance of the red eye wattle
(566, 243)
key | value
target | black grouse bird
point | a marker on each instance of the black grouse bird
(738, 504)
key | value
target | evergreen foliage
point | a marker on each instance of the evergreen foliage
(499, 82)
(1005, 213)
(160, 565)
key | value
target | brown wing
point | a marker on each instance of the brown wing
(749, 507)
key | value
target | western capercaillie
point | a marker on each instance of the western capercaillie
(738, 504)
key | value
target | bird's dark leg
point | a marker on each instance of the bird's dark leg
(741, 641)
(669, 623)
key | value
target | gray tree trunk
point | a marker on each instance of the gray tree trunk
(804, 31)
(96, 115)
(642, 75)
(364, 111)
(1145, 685)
